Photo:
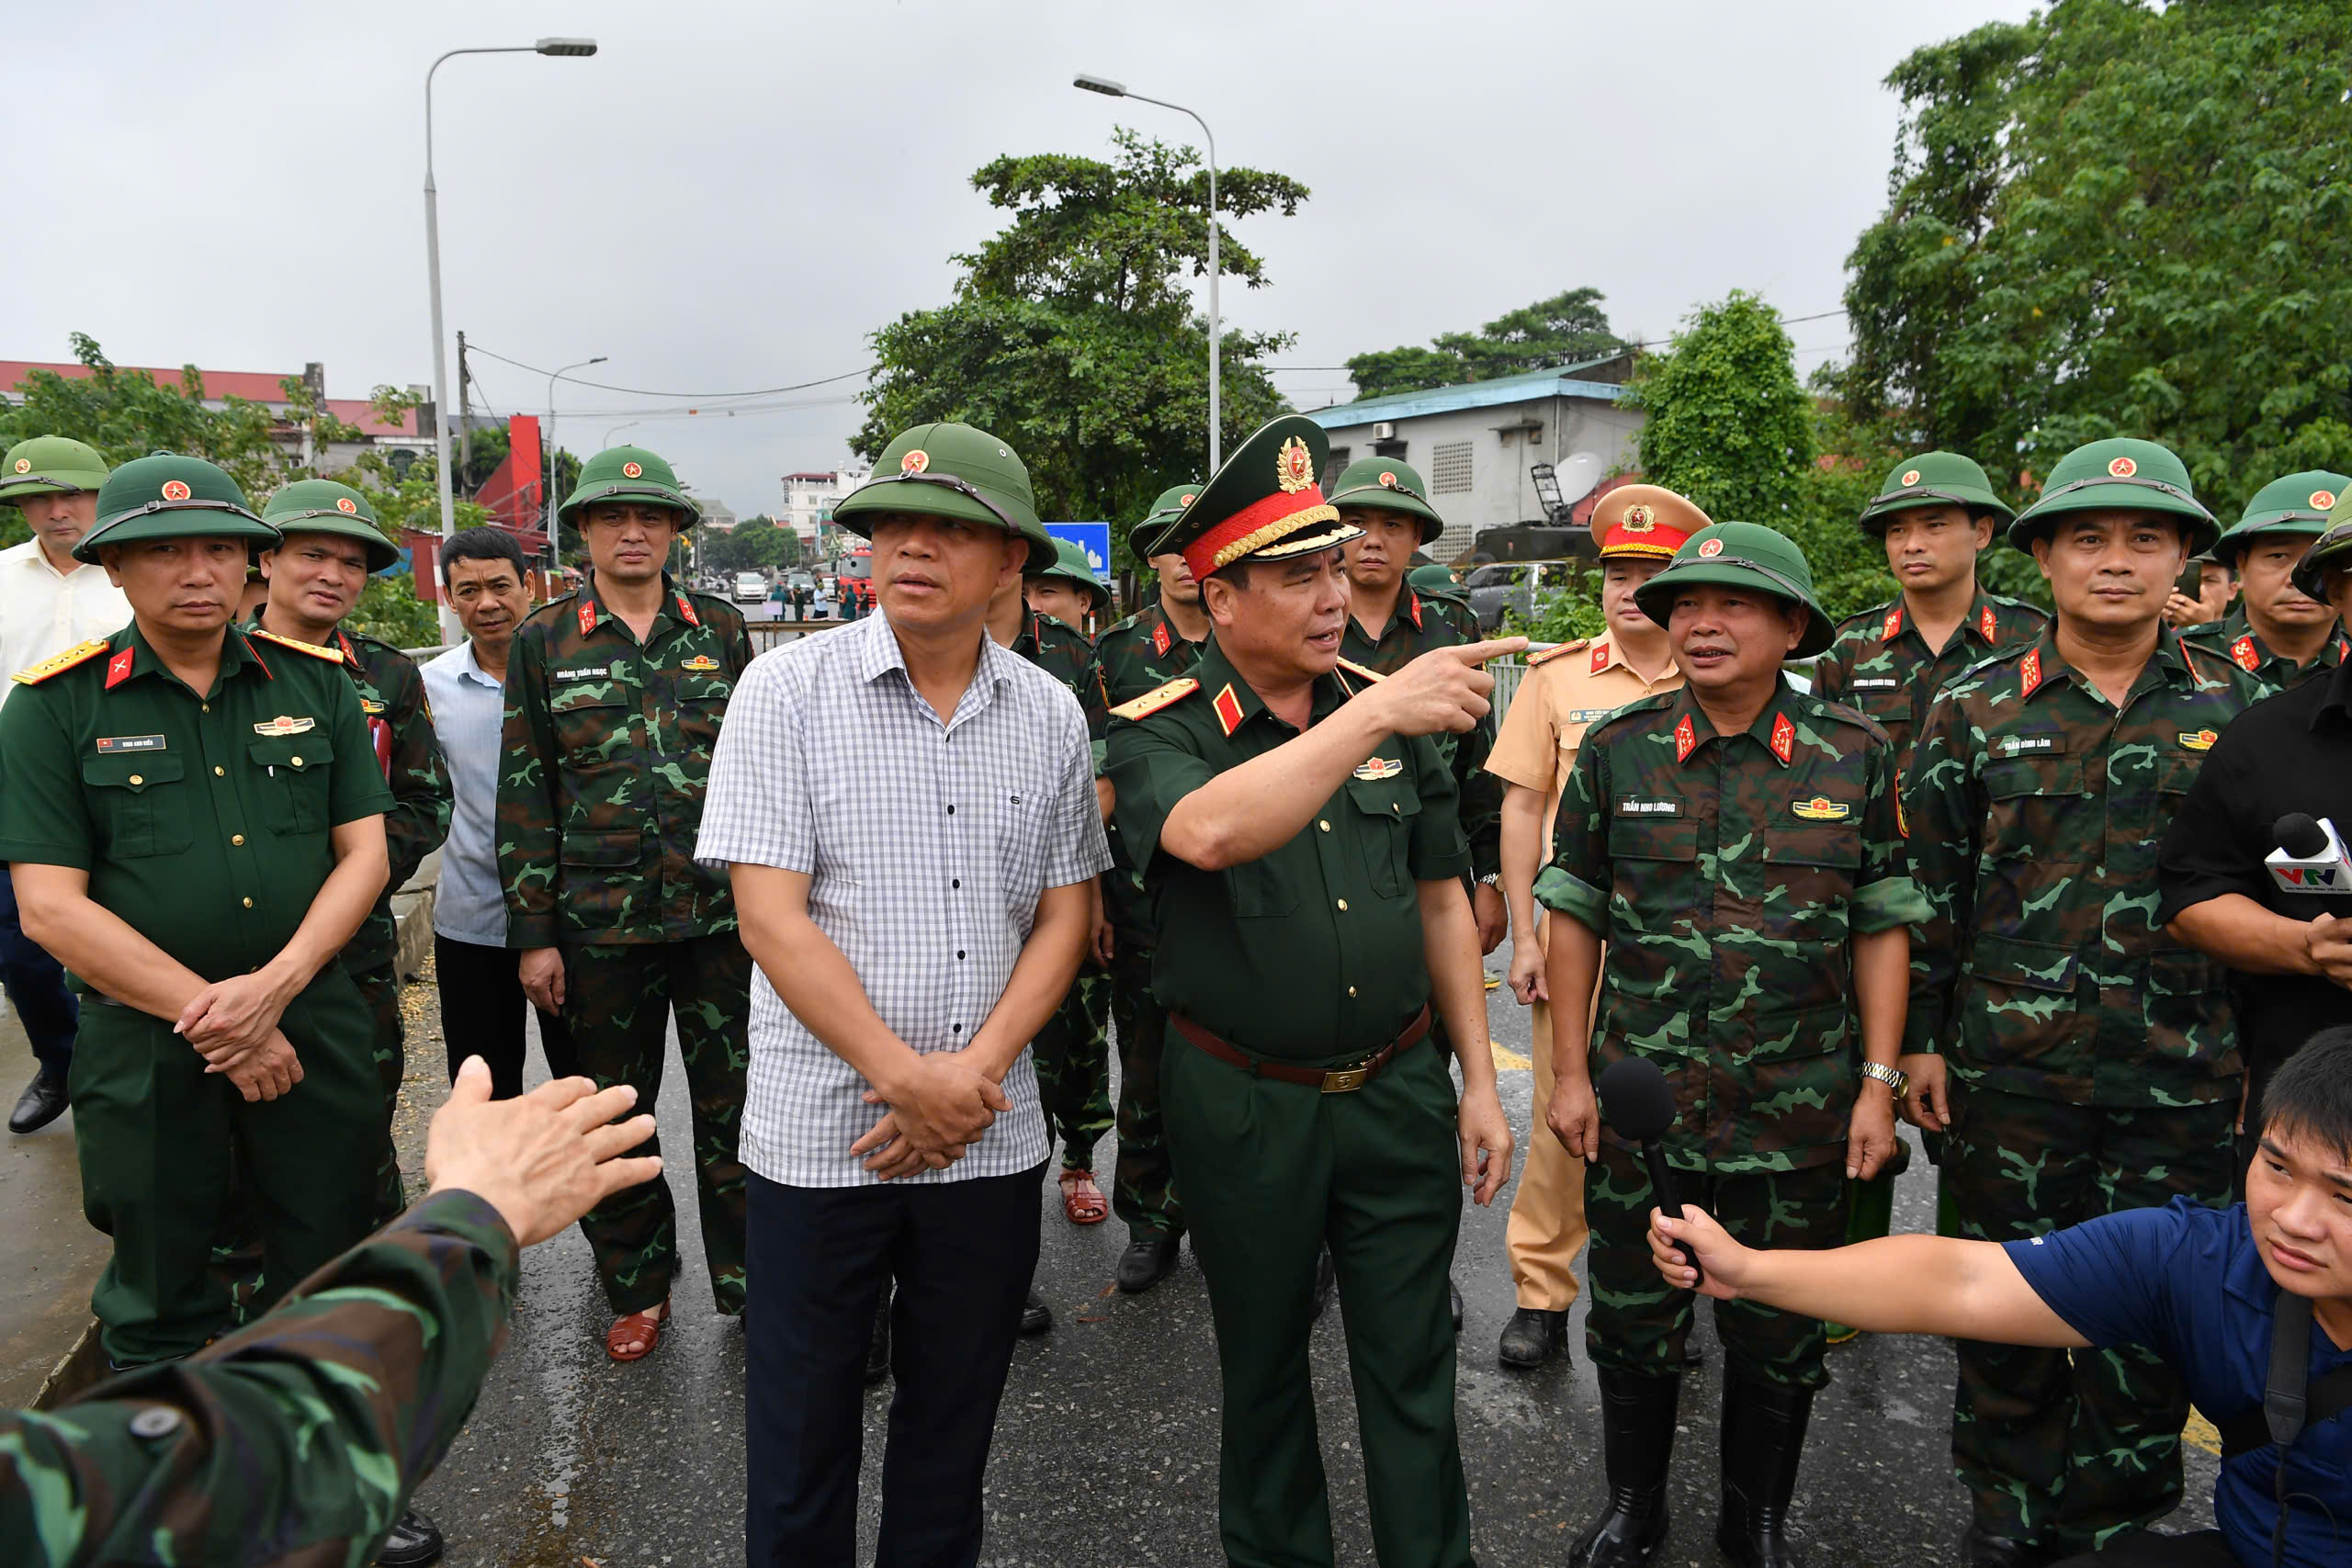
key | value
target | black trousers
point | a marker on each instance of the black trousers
(2145, 1549)
(481, 1014)
(962, 1253)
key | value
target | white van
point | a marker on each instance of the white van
(749, 588)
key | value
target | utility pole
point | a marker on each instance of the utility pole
(465, 415)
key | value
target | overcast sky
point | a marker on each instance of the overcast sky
(731, 196)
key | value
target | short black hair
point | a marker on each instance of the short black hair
(482, 544)
(2311, 1096)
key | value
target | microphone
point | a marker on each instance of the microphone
(1638, 1105)
(2310, 857)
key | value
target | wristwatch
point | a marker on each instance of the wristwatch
(1895, 1078)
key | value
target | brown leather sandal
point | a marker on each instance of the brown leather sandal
(637, 1329)
(1082, 1202)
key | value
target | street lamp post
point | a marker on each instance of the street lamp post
(1111, 89)
(548, 46)
(616, 430)
(547, 481)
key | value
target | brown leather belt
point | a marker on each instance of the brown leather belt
(1333, 1080)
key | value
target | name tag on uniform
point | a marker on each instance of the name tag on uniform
(2020, 745)
(111, 743)
(1874, 682)
(582, 674)
(282, 724)
(1588, 716)
(1381, 768)
(1634, 806)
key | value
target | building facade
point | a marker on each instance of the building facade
(412, 433)
(810, 499)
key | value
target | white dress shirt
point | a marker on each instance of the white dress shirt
(468, 711)
(44, 611)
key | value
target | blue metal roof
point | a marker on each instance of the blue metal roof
(1555, 382)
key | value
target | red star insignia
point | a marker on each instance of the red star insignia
(1686, 739)
(587, 618)
(2243, 652)
(1784, 737)
(1413, 608)
(1886, 633)
(118, 668)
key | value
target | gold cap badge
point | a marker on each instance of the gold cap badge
(1712, 547)
(2123, 467)
(1293, 466)
(1639, 519)
(1910, 477)
(173, 489)
(633, 470)
(915, 461)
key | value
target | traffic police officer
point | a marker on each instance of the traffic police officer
(613, 698)
(332, 547)
(1566, 690)
(2277, 631)
(2080, 1060)
(1296, 827)
(1141, 654)
(1737, 845)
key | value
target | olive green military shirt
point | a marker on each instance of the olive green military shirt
(2234, 637)
(1415, 627)
(1312, 953)
(203, 820)
(1141, 653)
(1881, 666)
(1728, 874)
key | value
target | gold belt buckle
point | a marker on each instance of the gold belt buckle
(1345, 1079)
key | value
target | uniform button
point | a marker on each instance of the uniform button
(249, 903)
(1325, 826)
(223, 772)
(1352, 990)
(1392, 805)
(137, 780)
(1343, 906)
(155, 1421)
(238, 839)
(297, 763)
(956, 882)
(206, 707)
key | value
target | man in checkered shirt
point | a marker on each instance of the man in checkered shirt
(918, 904)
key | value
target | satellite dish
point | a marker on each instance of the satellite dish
(1578, 474)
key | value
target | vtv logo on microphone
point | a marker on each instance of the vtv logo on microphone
(2311, 876)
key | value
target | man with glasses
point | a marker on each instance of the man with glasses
(613, 698)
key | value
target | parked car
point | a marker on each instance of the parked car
(749, 588)
(1513, 586)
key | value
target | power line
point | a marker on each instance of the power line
(653, 392)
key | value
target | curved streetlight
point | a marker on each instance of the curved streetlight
(616, 430)
(1111, 89)
(547, 481)
(557, 47)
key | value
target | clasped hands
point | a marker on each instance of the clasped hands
(939, 1104)
(232, 1024)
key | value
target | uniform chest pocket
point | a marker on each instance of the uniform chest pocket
(2037, 808)
(1383, 811)
(702, 706)
(139, 803)
(1654, 839)
(1811, 882)
(591, 723)
(296, 774)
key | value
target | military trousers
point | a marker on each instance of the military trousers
(618, 1001)
(1144, 1193)
(2059, 1446)
(1072, 1057)
(1638, 1322)
(1547, 1226)
(169, 1154)
(379, 991)
(1272, 1173)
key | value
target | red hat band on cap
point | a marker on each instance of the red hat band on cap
(1257, 525)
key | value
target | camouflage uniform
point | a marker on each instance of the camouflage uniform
(2093, 1061)
(1728, 874)
(1072, 1053)
(1414, 628)
(2234, 638)
(1141, 653)
(607, 755)
(1882, 667)
(297, 1440)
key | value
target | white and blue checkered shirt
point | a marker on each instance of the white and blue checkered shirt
(927, 846)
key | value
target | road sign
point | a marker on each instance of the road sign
(1093, 537)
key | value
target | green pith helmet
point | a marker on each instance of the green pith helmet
(50, 465)
(954, 471)
(1437, 582)
(1069, 561)
(1741, 555)
(2297, 504)
(322, 506)
(1932, 478)
(2333, 549)
(1144, 538)
(171, 497)
(1383, 484)
(2119, 473)
(627, 473)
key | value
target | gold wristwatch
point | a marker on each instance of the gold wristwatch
(1895, 1078)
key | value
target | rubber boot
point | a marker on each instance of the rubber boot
(1637, 1444)
(1763, 1439)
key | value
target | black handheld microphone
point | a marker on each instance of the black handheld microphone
(1639, 1106)
(2310, 857)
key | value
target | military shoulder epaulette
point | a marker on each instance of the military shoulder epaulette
(1574, 645)
(332, 655)
(80, 653)
(1353, 668)
(1874, 615)
(1841, 712)
(1158, 698)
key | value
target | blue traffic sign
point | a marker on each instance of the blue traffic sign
(1094, 538)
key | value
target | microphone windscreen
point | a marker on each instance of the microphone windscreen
(2299, 836)
(1636, 1099)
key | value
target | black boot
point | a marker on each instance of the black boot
(1638, 1442)
(1532, 1338)
(1146, 1262)
(1763, 1439)
(1037, 1318)
(878, 1348)
(414, 1542)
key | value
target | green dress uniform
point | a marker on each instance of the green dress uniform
(2093, 1060)
(203, 820)
(300, 1438)
(1140, 654)
(606, 756)
(2294, 506)
(1307, 962)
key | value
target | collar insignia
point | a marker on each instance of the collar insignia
(1821, 808)
(2029, 672)
(686, 611)
(118, 668)
(1413, 608)
(587, 616)
(1686, 739)
(1600, 658)
(1984, 623)
(2246, 655)
(1894, 624)
(1784, 737)
(1227, 706)
(1160, 642)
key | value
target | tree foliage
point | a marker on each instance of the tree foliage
(1567, 327)
(756, 544)
(2118, 218)
(1073, 334)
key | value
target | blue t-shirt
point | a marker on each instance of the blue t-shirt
(2188, 1283)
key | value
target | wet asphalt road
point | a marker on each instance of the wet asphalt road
(1106, 1444)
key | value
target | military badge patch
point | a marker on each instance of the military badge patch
(587, 673)
(1636, 806)
(1784, 737)
(2202, 740)
(2123, 468)
(1686, 738)
(345, 503)
(700, 662)
(175, 490)
(915, 461)
(1910, 477)
(1228, 710)
(1380, 768)
(1821, 808)
(1160, 641)
(1639, 519)
(2029, 670)
(2322, 501)
(1293, 466)
(24, 464)
(1893, 624)
(1710, 549)
(632, 471)
(285, 724)
(587, 618)
(1388, 480)
(1984, 623)
(2018, 745)
(1599, 659)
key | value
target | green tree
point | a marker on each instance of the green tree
(1727, 421)
(1072, 334)
(1567, 327)
(2118, 219)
